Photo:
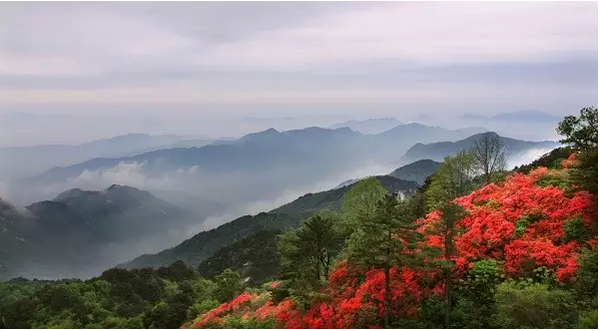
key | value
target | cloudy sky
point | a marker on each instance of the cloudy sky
(179, 66)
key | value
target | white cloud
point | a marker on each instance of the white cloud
(527, 157)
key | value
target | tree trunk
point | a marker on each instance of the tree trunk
(387, 299)
(448, 296)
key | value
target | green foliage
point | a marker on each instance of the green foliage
(534, 306)
(254, 257)
(588, 320)
(380, 235)
(526, 220)
(587, 278)
(117, 299)
(574, 229)
(431, 312)
(585, 174)
(475, 295)
(229, 285)
(560, 180)
(361, 200)
(580, 132)
(454, 178)
(308, 254)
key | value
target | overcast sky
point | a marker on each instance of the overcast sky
(186, 62)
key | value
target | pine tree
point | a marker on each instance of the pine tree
(307, 254)
(384, 240)
(451, 213)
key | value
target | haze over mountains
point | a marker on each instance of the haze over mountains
(269, 162)
(514, 148)
(80, 233)
(17, 161)
(172, 187)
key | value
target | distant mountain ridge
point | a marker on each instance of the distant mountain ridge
(369, 126)
(17, 160)
(268, 161)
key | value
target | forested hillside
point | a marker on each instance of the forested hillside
(284, 218)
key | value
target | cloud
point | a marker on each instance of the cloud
(527, 157)
(301, 60)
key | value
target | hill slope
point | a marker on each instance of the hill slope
(437, 151)
(81, 231)
(417, 171)
(203, 245)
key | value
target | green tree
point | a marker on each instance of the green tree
(580, 132)
(362, 199)
(451, 213)
(229, 285)
(454, 178)
(307, 254)
(382, 239)
(534, 306)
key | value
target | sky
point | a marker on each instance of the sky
(71, 72)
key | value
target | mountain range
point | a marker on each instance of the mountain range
(369, 126)
(269, 162)
(18, 161)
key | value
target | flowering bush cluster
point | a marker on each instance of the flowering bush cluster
(519, 222)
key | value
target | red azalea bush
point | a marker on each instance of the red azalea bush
(518, 221)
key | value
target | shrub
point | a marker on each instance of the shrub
(534, 306)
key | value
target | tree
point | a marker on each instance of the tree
(452, 179)
(451, 213)
(362, 199)
(534, 306)
(490, 156)
(229, 285)
(580, 132)
(307, 254)
(384, 238)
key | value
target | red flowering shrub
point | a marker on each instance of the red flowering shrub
(519, 222)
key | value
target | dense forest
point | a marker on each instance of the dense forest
(475, 246)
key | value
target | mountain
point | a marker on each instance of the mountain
(437, 151)
(19, 159)
(258, 166)
(80, 232)
(255, 258)
(369, 126)
(205, 244)
(417, 171)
